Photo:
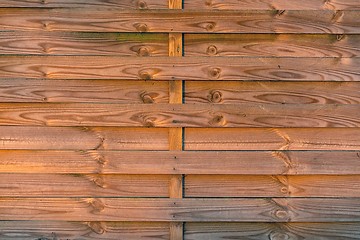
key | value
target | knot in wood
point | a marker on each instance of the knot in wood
(214, 73)
(215, 96)
(281, 214)
(218, 120)
(142, 5)
(97, 227)
(146, 98)
(208, 3)
(278, 236)
(141, 27)
(143, 52)
(212, 50)
(97, 205)
(144, 75)
(210, 26)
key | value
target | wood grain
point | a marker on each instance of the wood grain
(123, 4)
(271, 4)
(78, 185)
(272, 45)
(73, 138)
(186, 162)
(179, 115)
(272, 92)
(170, 68)
(76, 43)
(90, 91)
(182, 210)
(266, 231)
(272, 186)
(30, 230)
(272, 139)
(113, 20)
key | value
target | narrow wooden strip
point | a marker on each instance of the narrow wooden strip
(180, 115)
(79, 185)
(272, 92)
(189, 68)
(176, 163)
(272, 139)
(182, 210)
(271, 4)
(266, 231)
(74, 138)
(123, 4)
(91, 91)
(113, 20)
(30, 230)
(272, 45)
(272, 186)
(80, 43)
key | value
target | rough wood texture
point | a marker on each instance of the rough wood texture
(175, 162)
(182, 210)
(272, 45)
(272, 139)
(189, 68)
(266, 231)
(54, 230)
(75, 43)
(180, 115)
(247, 21)
(272, 186)
(272, 92)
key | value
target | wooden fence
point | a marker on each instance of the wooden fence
(201, 119)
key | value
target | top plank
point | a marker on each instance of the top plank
(247, 21)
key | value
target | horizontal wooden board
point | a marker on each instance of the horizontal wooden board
(272, 186)
(78, 185)
(247, 21)
(180, 115)
(181, 162)
(272, 92)
(182, 210)
(91, 91)
(85, 138)
(81, 43)
(271, 4)
(272, 139)
(170, 68)
(123, 4)
(272, 45)
(56, 230)
(266, 231)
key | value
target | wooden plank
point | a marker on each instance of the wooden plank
(182, 210)
(272, 139)
(272, 186)
(272, 92)
(175, 162)
(98, 138)
(91, 91)
(78, 185)
(247, 21)
(273, 231)
(272, 45)
(76, 43)
(123, 4)
(171, 68)
(180, 115)
(271, 5)
(30, 230)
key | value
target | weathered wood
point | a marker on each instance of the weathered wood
(98, 138)
(266, 231)
(272, 92)
(189, 68)
(78, 185)
(272, 139)
(91, 91)
(123, 4)
(272, 186)
(182, 210)
(272, 45)
(76, 43)
(187, 162)
(271, 4)
(113, 20)
(180, 115)
(30, 230)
